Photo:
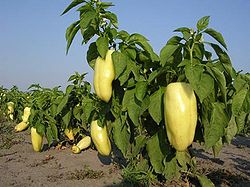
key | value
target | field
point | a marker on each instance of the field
(177, 118)
(57, 166)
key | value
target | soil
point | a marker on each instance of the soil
(231, 167)
(20, 166)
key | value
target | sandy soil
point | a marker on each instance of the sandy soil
(231, 167)
(20, 166)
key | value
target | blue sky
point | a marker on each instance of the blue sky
(32, 34)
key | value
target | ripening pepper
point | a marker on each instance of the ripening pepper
(104, 74)
(10, 106)
(99, 136)
(26, 114)
(69, 133)
(21, 126)
(180, 113)
(11, 116)
(84, 143)
(24, 124)
(36, 140)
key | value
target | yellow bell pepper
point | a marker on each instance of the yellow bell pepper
(69, 133)
(104, 74)
(21, 126)
(11, 116)
(84, 143)
(36, 140)
(180, 113)
(10, 106)
(26, 114)
(100, 138)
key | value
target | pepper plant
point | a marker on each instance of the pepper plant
(17, 97)
(75, 105)
(135, 114)
(44, 103)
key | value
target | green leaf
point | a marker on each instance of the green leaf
(184, 159)
(139, 143)
(204, 181)
(77, 112)
(208, 55)
(224, 58)
(134, 112)
(166, 52)
(184, 62)
(123, 35)
(66, 118)
(49, 135)
(143, 42)
(136, 37)
(171, 169)
(217, 36)
(157, 73)
(182, 29)
(131, 53)
(53, 109)
(85, 8)
(70, 29)
(193, 74)
(201, 82)
(240, 82)
(240, 121)
(238, 101)
(157, 149)
(136, 71)
(62, 104)
(215, 129)
(220, 79)
(203, 23)
(246, 104)
(40, 128)
(54, 130)
(87, 106)
(156, 105)
(127, 98)
(231, 130)
(72, 77)
(186, 32)
(145, 104)
(71, 37)
(72, 5)
(69, 89)
(120, 63)
(217, 147)
(121, 135)
(131, 67)
(112, 17)
(198, 51)
(102, 46)
(205, 87)
(125, 75)
(92, 54)
(141, 88)
(130, 104)
(105, 5)
(175, 40)
(88, 33)
(86, 19)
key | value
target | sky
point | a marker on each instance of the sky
(33, 45)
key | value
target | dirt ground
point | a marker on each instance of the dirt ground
(231, 167)
(20, 166)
